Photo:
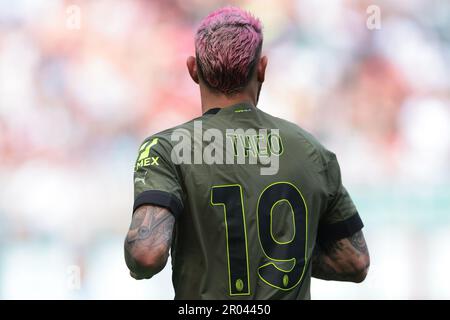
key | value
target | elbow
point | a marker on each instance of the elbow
(144, 263)
(359, 276)
(154, 262)
(360, 269)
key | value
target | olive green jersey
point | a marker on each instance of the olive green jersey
(240, 232)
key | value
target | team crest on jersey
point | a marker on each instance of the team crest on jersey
(144, 158)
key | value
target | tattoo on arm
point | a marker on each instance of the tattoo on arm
(150, 232)
(324, 261)
(333, 261)
(359, 243)
(151, 226)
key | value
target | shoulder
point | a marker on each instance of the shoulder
(166, 137)
(317, 151)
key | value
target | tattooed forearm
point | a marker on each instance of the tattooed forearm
(148, 241)
(151, 222)
(343, 260)
(359, 243)
(325, 265)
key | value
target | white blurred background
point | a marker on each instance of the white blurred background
(82, 83)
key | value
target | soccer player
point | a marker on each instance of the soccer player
(235, 231)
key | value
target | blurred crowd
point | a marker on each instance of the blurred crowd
(82, 83)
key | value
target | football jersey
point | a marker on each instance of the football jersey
(244, 231)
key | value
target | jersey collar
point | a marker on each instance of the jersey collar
(212, 111)
(233, 107)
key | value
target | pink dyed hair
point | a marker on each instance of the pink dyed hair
(228, 44)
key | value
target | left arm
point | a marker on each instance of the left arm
(342, 260)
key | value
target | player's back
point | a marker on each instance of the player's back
(251, 190)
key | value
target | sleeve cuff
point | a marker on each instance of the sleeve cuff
(340, 230)
(161, 199)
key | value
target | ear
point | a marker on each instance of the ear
(192, 68)
(261, 70)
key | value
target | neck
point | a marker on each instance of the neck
(212, 100)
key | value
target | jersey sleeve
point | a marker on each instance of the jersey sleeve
(156, 180)
(340, 219)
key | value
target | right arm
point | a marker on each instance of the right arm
(342, 260)
(148, 241)
(157, 203)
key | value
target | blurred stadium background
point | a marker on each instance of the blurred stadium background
(77, 100)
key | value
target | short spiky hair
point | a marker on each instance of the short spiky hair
(228, 44)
